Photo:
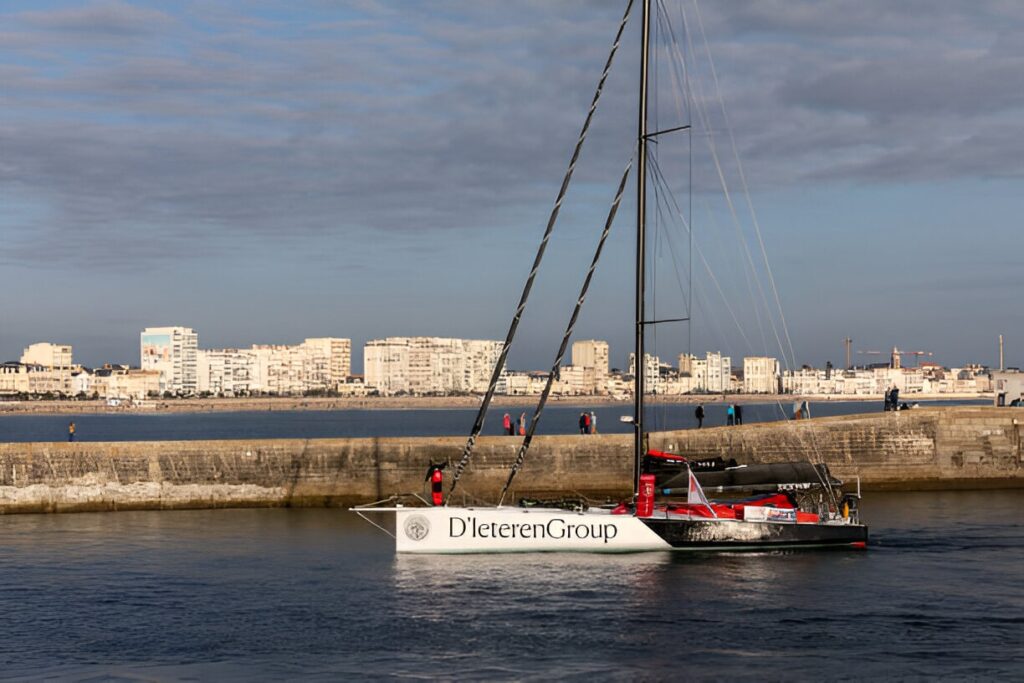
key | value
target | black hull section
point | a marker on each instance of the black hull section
(700, 534)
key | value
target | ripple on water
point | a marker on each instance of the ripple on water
(316, 594)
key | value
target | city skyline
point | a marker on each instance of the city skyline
(355, 353)
(173, 364)
(618, 358)
(251, 173)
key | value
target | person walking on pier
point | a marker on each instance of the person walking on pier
(71, 432)
(699, 414)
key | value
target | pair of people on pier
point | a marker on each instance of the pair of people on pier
(510, 426)
(734, 414)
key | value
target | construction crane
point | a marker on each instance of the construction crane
(895, 360)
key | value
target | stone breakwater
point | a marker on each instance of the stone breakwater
(919, 449)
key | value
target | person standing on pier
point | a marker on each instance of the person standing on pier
(738, 410)
(730, 415)
(593, 422)
(522, 424)
(699, 414)
(507, 424)
(583, 423)
(71, 432)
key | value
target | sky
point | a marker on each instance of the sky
(269, 171)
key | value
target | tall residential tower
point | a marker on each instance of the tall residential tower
(171, 351)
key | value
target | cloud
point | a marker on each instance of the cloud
(102, 19)
(260, 123)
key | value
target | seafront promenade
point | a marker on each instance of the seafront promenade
(213, 405)
(924, 449)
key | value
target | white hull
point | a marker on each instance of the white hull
(512, 529)
(450, 530)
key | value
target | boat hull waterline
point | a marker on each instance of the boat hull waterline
(454, 530)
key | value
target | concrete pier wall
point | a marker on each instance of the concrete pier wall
(919, 449)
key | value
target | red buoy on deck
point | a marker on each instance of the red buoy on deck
(437, 487)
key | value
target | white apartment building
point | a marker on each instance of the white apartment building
(329, 360)
(429, 365)
(712, 374)
(231, 372)
(719, 372)
(55, 360)
(653, 383)
(321, 363)
(760, 375)
(172, 352)
(592, 354)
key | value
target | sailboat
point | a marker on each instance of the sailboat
(792, 505)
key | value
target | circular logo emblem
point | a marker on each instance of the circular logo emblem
(417, 527)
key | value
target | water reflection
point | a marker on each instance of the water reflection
(286, 594)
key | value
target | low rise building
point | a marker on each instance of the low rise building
(1008, 387)
(124, 382)
(13, 378)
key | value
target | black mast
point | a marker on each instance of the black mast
(639, 366)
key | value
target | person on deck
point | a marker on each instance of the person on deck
(699, 414)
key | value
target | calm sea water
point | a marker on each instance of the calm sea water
(558, 419)
(238, 595)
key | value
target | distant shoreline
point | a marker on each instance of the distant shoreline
(214, 405)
